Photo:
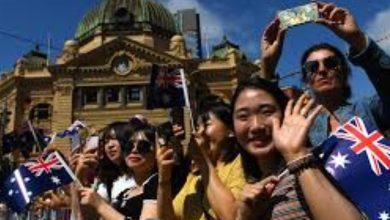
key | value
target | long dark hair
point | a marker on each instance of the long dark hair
(108, 171)
(251, 170)
(345, 68)
(223, 112)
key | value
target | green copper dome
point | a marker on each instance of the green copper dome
(126, 15)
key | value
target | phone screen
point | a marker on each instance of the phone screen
(165, 131)
(298, 15)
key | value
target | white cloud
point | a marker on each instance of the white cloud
(212, 26)
(379, 27)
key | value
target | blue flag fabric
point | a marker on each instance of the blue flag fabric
(358, 157)
(34, 178)
(165, 88)
(72, 130)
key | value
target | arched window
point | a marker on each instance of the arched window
(41, 115)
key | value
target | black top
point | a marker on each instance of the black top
(132, 207)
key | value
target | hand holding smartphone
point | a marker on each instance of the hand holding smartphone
(167, 137)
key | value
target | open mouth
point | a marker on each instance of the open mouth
(259, 142)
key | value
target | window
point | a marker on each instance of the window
(112, 94)
(40, 112)
(134, 94)
(41, 115)
(90, 95)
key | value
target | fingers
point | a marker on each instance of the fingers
(337, 15)
(288, 110)
(314, 114)
(178, 131)
(273, 33)
(325, 9)
(281, 35)
(166, 154)
(275, 124)
(260, 190)
(306, 108)
(331, 15)
(268, 180)
(298, 105)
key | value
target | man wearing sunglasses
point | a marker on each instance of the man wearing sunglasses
(325, 71)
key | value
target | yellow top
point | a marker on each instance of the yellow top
(191, 201)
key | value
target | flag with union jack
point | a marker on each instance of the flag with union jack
(166, 88)
(35, 177)
(358, 157)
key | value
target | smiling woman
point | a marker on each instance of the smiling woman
(271, 141)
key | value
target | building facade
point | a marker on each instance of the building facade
(102, 75)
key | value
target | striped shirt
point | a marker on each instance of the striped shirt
(288, 201)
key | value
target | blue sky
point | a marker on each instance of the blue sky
(242, 21)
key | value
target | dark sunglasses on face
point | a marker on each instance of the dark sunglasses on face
(313, 66)
(143, 147)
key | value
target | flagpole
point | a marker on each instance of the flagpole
(187, 98)
(67, 168)
(34, 135)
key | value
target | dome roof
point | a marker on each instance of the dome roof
(126, 15)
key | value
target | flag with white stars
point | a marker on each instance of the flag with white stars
(35, 177)
(72, 132)
(358, 157)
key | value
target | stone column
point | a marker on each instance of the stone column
(62, 111)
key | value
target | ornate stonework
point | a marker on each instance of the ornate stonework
(104, 77)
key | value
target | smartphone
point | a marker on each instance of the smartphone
(166, 136)
(298, 15)
(165, 132)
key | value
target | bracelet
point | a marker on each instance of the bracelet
(301, 163)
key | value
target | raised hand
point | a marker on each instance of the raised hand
(290, 137)
(90, 198)
(271, 48)
(178, 131)
(254, 199)
(199, 148)
(165, 161)
(343, 24)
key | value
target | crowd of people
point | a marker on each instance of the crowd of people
(256, 157)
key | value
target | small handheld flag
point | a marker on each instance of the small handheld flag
(358, 157)
(35, 177)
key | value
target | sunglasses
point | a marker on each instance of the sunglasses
(143, 147)
(313, 66)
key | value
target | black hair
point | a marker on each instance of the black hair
(345, 68)
(138, 125)
(108, 172)
(251, 171)
(223, 112)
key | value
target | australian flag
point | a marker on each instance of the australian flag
(166, 88)
(35, 177)
(72, 132)
(358, 157)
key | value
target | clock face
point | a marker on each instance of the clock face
(122, 65)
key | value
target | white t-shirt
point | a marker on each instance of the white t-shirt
(120, 184)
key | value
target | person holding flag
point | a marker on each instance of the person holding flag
(346, 132)
(35, 177)
(285, 180)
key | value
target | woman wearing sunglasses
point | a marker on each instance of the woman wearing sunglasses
(211, 188)
(325, 70)
(272, 134)
(138, 200)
